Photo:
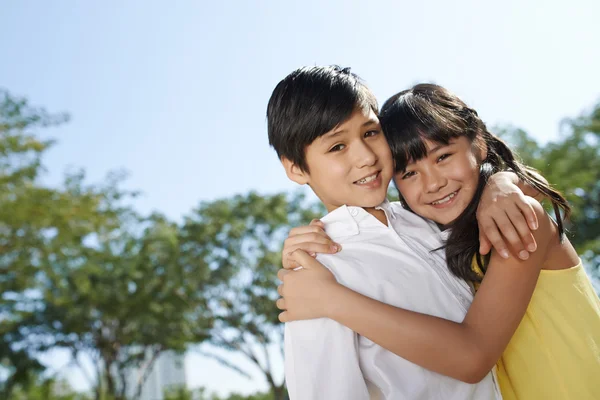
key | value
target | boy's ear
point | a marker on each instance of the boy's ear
(294, 172)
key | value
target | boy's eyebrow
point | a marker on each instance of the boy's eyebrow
(370, 122)
(337, 132)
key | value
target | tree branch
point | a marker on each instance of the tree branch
(225, 363)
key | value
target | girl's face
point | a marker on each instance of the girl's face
(440, 186)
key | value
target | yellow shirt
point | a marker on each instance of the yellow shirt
(555, 351)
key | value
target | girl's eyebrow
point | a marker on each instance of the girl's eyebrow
(440, 146)
(436, 148)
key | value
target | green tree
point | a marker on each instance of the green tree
(182, 393)
(244, 234)
(82, 271)
(47, 389)
(23, 220)
(572, 165)
(117, 289)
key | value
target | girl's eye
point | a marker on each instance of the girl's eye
(337, 147)
(408, 174)
(443, 157)
(371, 133)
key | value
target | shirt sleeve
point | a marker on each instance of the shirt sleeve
(322, 361)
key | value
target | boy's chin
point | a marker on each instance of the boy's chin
(370, 203)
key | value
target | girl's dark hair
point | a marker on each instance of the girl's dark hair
(430, 112)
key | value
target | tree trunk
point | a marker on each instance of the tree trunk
(111, 390)
(279, 392)
(5, 394)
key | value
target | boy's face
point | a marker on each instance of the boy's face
(351, 164)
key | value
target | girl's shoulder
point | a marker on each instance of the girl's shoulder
(547, 229)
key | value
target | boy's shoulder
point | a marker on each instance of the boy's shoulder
(414, 229)
(348, 222)
(405, 218)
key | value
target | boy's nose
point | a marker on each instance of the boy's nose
(365, 156)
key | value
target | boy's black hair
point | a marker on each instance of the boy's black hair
(310, 102)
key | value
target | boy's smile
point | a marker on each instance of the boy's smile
(349, 165)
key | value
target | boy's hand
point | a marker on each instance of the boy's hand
(504, 213)
(307, 293)
(312, 239)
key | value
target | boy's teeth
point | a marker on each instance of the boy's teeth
(367, 179)
(445, 199)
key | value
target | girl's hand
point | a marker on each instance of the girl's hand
(312, 239)
(505, 214)
(307, 292)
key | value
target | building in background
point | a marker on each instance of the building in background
(168, 371)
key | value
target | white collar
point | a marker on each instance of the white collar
(348, 221)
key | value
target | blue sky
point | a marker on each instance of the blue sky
(175, 92)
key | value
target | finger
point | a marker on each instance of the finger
(509, 233)
(280, 303)
(283, 317)
(300, 241)
(323, 245)
(317, 222)
(528, 212)
(518, 220)
(484, 244)
(280, 290)
(288, 263)
(317, 237)
(281, 274)
(494, 237)
(311, 247)
(301, 230)
(305, 260)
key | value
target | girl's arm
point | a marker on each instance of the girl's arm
(466, 351)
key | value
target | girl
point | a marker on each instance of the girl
(538, 319)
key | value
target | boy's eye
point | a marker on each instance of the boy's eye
(337, 147)
(408, 174)
(371, 133)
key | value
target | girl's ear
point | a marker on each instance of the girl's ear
(481, 148)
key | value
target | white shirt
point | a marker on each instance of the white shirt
(393, 264)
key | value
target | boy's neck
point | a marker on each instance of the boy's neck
(379, 214)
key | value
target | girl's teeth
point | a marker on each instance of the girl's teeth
(445, 199)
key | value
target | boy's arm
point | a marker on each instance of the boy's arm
(321, 361)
